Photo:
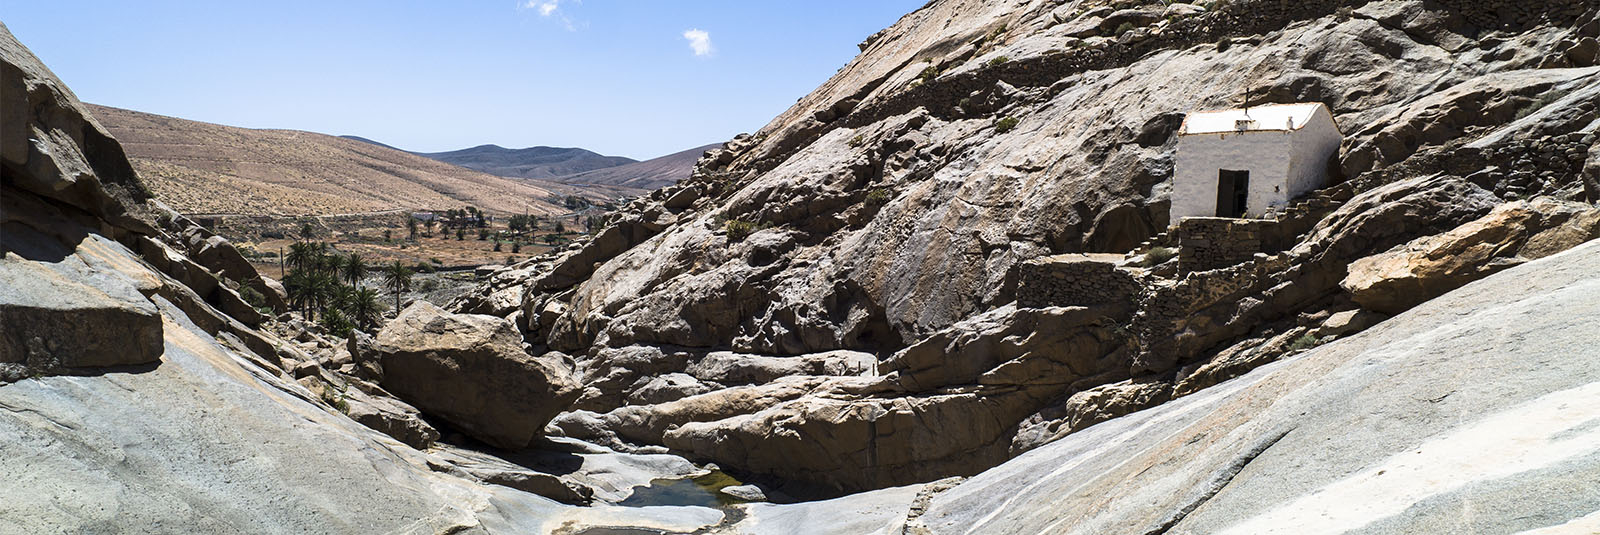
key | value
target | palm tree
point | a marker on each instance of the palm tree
(353, 269)
(301, 255)
(323, 289)
(363, 308)
(298, 284)
(328, 264)
(397, 279)
(340, 297)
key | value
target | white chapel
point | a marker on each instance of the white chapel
(1244, 162)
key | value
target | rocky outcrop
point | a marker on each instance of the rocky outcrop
(1404, 428)
(728, 368)
(53, 148)
(63, 311)
(894, 212)
(222, 258)
(1450, 417)
(1426, 268)
(832, 308)
(69, 301)
(471, 371)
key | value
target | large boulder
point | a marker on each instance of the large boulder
(69, 312)
(832, 440)
(471, 371)
(1427, 267)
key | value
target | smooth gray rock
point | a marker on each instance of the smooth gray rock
(207, 443)
(749, 493)
(729, 368)
(471, 370)
(62, 306)
(1472, 413)
(880, 511)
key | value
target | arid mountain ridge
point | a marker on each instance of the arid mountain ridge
(531, 162)
(204, 168)
(651, 174)
(573, 165)
(198, 167)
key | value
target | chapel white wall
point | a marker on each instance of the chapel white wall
(1313, 145)
(1266, 154)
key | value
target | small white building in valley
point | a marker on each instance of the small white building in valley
(1244, 162)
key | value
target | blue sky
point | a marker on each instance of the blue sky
(628, 78)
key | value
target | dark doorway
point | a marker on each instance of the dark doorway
(1233, 190)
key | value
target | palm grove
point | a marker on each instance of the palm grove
(325, 286)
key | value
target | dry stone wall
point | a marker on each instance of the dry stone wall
(1075, 280)
(1206, 243)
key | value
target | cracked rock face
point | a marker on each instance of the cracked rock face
(888, 213)
(1461, 404)
(833, 306)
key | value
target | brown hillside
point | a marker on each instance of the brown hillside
(204, 168)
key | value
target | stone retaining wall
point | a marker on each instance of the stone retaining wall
(1075, 280)
(1207, 243)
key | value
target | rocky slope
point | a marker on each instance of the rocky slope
(138, 395)
(204, 168)
(1471, 413)
(885, 218)
(651, 174)
(834, 305)
(531, 162)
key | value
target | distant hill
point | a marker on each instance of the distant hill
(531, 162)
(650, 174)
(198, 167)
(365, 140)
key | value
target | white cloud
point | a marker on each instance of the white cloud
(553, 9)
(545, 7)
(700, 42)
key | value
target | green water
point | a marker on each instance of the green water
(699, 491)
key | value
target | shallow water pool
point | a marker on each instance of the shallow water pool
(697, 491)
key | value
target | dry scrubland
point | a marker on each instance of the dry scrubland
(384, 238)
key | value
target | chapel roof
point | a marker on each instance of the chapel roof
(1267, 117)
